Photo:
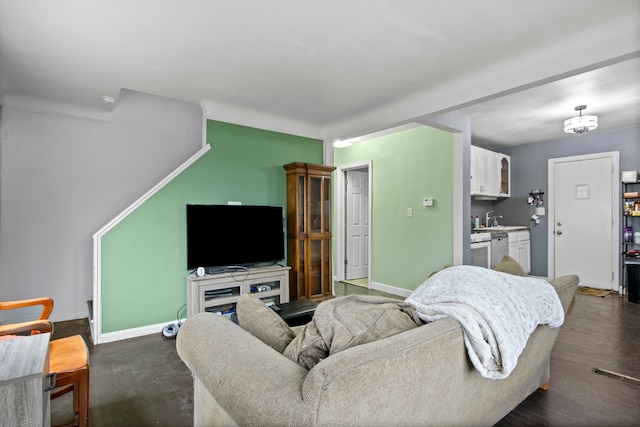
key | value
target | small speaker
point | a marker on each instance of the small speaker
(200, 271)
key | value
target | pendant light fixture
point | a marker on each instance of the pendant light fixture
(580, 124)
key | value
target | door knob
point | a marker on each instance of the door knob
(559, 232)
(559, 224)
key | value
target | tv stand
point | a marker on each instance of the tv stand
(218, 293)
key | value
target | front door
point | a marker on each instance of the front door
(357, 226)
(583, 237)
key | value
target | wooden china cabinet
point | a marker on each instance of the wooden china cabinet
(309, 230)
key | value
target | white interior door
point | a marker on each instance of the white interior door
(583, 237)
(357, 226)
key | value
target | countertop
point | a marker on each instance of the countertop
(500, 229)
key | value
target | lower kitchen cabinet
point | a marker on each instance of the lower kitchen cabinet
(520, 248)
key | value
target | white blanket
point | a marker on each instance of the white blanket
(497, 311)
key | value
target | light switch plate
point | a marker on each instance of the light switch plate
(427, 201)
(539, 211)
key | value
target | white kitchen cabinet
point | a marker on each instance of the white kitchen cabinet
(477, 170)
(520, 248)
(490, 173)
(484, 177)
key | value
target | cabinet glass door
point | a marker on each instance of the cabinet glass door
(326, 205)
(315, 204)
(315, 268)
(504, 176)
(300, 269)
(326, 266)
(301, 205)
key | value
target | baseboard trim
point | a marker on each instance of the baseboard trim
(131, 333)
(390, 289)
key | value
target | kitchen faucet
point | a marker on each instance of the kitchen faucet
(488, 218)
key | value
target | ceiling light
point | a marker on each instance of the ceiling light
(580, 124)
(341, 144)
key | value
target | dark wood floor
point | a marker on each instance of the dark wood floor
(603, 333)
(142, 381)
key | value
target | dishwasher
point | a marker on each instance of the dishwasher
(499, 247)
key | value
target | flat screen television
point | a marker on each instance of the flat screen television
(234, 235)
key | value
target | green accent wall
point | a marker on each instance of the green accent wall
(408, 166)
(144, 256)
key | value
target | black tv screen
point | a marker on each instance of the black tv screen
(234, 235)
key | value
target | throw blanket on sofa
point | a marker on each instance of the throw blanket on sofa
(497, 311)
(345, 322)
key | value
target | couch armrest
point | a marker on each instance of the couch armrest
(566, 287)
(246, 377)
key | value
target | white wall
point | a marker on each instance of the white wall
(62, 177)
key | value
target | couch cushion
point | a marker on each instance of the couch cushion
(263, 323)
(511, 266)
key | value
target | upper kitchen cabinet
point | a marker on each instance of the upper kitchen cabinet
(490, 174)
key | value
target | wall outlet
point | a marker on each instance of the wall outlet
(232, 203)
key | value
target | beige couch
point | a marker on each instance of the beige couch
(419, 377)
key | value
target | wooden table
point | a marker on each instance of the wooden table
(297, 312)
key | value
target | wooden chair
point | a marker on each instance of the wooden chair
(68, 357)
(33, 326)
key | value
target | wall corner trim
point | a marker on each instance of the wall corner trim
(96, 321)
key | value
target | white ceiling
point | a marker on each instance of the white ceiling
(336, 68)
(612, 93)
